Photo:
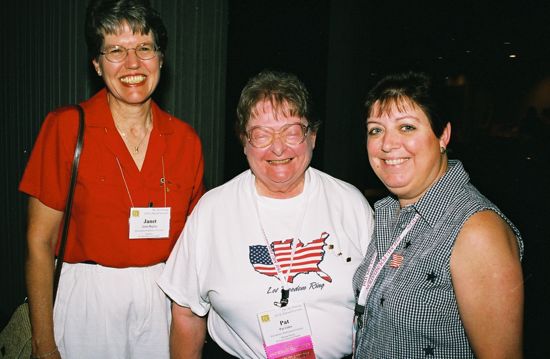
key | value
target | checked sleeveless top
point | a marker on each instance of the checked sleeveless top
(411, 311)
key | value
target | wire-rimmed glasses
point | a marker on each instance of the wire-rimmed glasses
(292, 134)
(119, 53)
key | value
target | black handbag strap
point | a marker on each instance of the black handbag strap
(69, 201)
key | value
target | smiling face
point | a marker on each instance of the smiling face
(279, 168)
(131, 81)
(403, 150)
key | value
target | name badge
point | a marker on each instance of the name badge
(286, 333)
(149, 222)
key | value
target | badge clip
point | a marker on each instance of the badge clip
(284, 298)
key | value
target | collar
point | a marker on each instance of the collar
(437, 199)
(309, 180)
(98, 114)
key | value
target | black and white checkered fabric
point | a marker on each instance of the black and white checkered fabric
(412, 310)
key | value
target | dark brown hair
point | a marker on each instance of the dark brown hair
(108, 16)
(412, 88)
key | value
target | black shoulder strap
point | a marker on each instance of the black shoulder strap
(69, 201)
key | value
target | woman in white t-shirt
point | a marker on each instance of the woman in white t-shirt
(270, 255)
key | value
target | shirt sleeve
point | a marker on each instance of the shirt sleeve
(47, 173)
(359, 218)
(180, 279)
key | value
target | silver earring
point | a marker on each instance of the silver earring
(98, 72)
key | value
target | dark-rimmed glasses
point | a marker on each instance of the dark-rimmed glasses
(119, 53)
(292, 134)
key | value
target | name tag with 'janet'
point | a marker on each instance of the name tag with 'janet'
(149, 222)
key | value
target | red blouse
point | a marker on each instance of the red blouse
(99, 229)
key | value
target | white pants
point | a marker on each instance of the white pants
(103, 312)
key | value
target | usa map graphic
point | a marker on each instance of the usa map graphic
(307, 258)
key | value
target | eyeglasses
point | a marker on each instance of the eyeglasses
(118, 53)
(292, 134)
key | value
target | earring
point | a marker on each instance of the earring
(99, 72)
(442, 150)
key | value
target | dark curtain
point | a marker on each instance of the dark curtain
(45, 65)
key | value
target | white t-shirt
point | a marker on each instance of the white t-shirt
(220, 264)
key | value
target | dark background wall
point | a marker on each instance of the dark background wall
(339, 49)
(494, 58)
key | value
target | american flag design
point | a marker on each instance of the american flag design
(396, 260)
(307, 258)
